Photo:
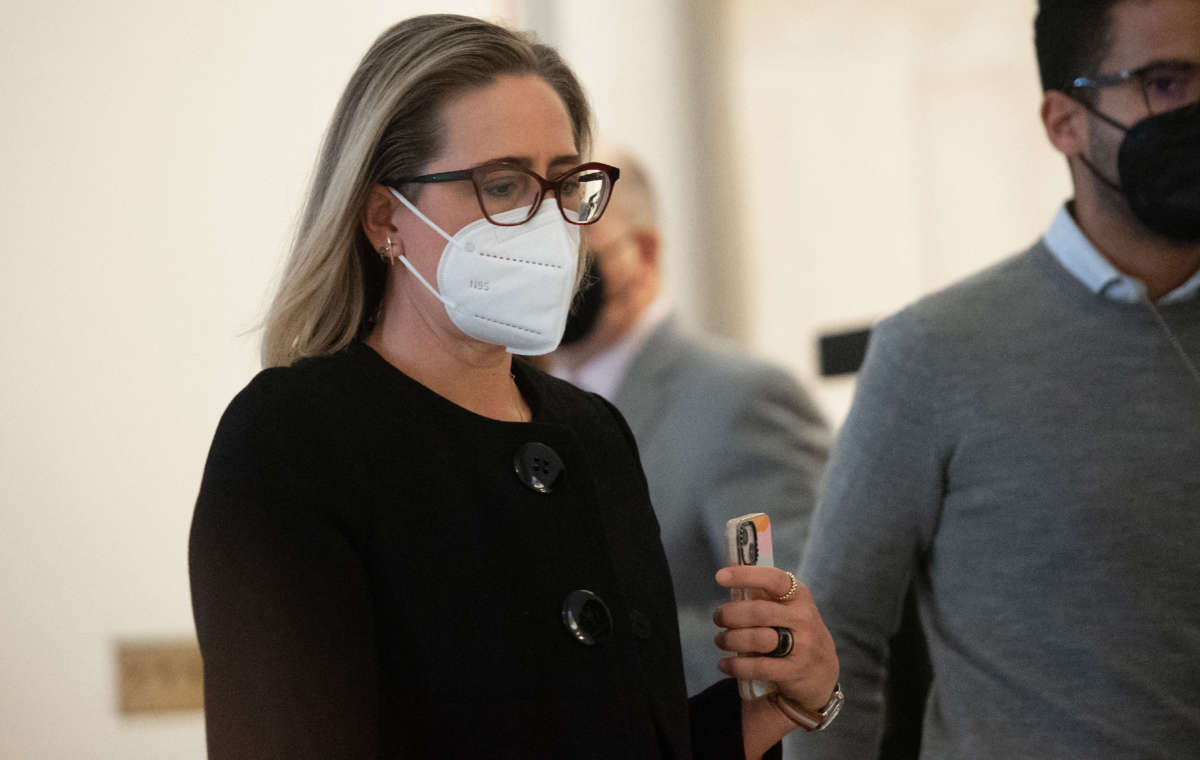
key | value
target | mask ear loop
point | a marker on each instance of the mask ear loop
(1112, 123)
(385, 253)
(404, 259)
(420, 216)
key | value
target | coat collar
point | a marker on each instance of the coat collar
(646, 388)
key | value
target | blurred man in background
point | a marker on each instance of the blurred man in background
(1023, 446)
(720, 434)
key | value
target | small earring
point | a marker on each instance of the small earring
(386, 252)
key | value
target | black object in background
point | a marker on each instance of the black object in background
(842, 353)
(909, 677)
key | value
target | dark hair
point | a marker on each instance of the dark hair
(1072, 38)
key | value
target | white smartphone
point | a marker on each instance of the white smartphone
(748, 541)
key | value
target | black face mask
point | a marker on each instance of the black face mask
(1159, 166)
(585, 309)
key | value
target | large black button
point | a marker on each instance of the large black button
(586, 617)
(537, 466)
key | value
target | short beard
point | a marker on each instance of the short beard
(1104, 156)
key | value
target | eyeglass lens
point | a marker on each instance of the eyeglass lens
(1171, 86)
(582, 195)
(504, 189)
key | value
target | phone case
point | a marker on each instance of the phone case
(748, 540)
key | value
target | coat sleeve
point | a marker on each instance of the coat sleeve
(278, 593)
(716, 717)
(769, 457)
(875, 519)
(714, 714)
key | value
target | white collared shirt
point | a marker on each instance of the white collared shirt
(604, 372)
(1077, 254)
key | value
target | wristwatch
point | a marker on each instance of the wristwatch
(810, 720)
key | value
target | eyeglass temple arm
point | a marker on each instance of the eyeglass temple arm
(1105, 81)
(428, 178)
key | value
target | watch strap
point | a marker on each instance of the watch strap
(809, 720)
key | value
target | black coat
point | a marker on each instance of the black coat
(372, 577)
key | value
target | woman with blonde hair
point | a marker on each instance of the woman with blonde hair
(406, 544)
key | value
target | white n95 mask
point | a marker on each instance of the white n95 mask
(508, 286)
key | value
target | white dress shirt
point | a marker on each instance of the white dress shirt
(1075, 252)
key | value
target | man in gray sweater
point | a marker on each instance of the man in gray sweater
(1024, 447)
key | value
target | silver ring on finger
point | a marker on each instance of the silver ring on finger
(790, 591)
(786, 642)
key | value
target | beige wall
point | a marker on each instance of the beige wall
(652, 71)
(154, 155)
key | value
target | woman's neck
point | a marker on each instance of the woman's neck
(474, 375)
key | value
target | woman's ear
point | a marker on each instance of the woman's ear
(1065, 121)
(377, 220)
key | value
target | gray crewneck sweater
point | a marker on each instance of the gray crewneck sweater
(1029, 453)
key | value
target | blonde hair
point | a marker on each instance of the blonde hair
(387, 125)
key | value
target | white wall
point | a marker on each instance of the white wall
(153, 156)
(638, 64)
(885, 150)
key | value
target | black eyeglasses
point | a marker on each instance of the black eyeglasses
(510, 195)
(1165, 85)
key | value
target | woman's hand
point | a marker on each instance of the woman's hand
(809, 673)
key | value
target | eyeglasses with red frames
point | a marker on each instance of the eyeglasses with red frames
(1165, 85)
(510, 195)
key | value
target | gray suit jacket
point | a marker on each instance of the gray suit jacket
(720, 434)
